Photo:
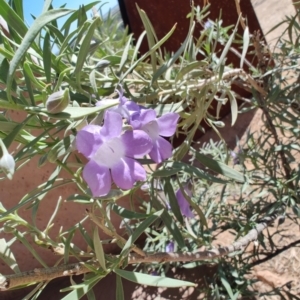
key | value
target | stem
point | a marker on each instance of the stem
(227, 75)
(113, 233)
(46, 274)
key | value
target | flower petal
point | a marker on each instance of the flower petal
(122, 98)
(184, 204)
(88, 140)
(161, 150)
(127, 172)
(136, 142)
(152, 129)
(110, 152)
(112, 125)
(98, 178)
(147, 115)
(131, 106)
(170, 247)
(7, 163)
(167, 124)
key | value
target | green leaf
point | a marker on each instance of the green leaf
(164, 172)
(24, 240)
(175, 167)
(80, 290)
(170, 223)
(151, 36)
(74, 17)
(190, 67)
(11, 17)
(91, 295)
(18, 8)
(32, 77)
(47, 5)
(152, 280)
(28, 83)
(60, 149)
(223, 56)
(152, 50)
(169, 192)
(246, 41)
(7, 256)
(119, 288)
(233, 107)
(36, 27)
(174, 57)
(220, 167)
(86, 236)
(98, 248)
(128, 214)
(125, 53)
(137, 46)
(70, 112)
(12, 135)
(228, 288)
(67, 245)
(47, 57)
(139, 230)
(82, 18)
(85, 48)
(162, 109)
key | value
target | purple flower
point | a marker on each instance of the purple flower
(170, 247)
(156, 128)
(154, 273)
(236, 157)
(145, 119)
(208, 24)
(183, 203)
(111, 154)
(126, 108)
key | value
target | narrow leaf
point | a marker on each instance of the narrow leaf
(233, 107)
(7, 256)
(139, 230)
(220, 167)
(85, 48)
(152, 50)
(47, 57)
(119, 288)
(151, 280)
(98, 248)
(174, 57)
(12, 18)
(169, 192)
(86, 286)
(127, 214)
(227, 46)
(37, 25)
(246, 40)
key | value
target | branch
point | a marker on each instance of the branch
(113, 233)
(263, 106)
(226, 76)
(46, 274)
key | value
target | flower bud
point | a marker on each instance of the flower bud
(58, 101)
(7, 162)
(102, 64)
(219, 124)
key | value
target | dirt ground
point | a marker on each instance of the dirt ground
(284, 268)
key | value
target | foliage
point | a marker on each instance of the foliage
(92, 62)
